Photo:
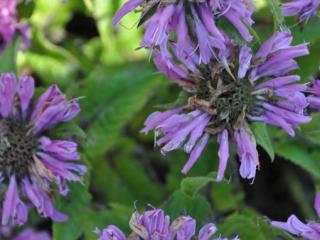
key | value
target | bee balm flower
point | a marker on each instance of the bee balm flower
(167, 25)
(223, 102)
(9, 24)
(304, 9)
(30, 161)
(154, 224)
(308, 231)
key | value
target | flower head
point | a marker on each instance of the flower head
(30, 234)
(9, 24)
(304, 9)
(30, 161)
(154, 224)
(167, 26)
(6, 233)
(313, 92)
(308, 231)
(110, 233)
(223, 101)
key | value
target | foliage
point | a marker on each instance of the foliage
(118, 88)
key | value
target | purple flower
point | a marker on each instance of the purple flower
(308, 231)
(167, 26)
(223, 101)
(304, 9)
(6, 232)
(313, 92)
(154, 224)
(110, 233)
(29, 161)
(9, 24)
(29, 234)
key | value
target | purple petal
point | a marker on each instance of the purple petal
(125, 9)
(26, 91)
(244, 61)
(279, 82)
(14, 210)
(183, 228)
(196, 153)
(233, 17)
(41, 201)
(111, 233)
(62, 150)
(29, 234)
(223, 153)
(207, 231)
(246, 147)
(8, 88)
(293, 225)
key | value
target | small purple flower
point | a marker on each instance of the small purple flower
(29, 234)
(308, 231)
(155, 225)
(223, 101)
(313, 92)
(6, 232)
(29, 161)
(167, 26)
(111, 233)
(152, 224)
(304, 9)
(9, 24)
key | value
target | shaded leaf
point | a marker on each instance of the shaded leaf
(262, 137)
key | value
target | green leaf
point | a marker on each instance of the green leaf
(180, 204)
(311, 131)
(25, 9)
(76, 206)
(112, 97)
(310, 32)
(300, 154)
(263, 139)
(182, 99)
(69, 131)
(227, 196)
(248, 225)
(133, 175)
(278, 18)
(118, 215)
(192, 185)
(8, 58)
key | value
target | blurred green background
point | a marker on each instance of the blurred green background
(76, 46)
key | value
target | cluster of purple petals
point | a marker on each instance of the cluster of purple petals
(154, 224)
(26, 234)
(268, 70)
(304, 9)
(53, 161)
(313, 92)
(168, 28)
(308, 231)
(9, 24)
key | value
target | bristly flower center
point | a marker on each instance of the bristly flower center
(17, 148)
(224, 97)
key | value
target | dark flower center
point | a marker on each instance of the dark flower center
(224, 97)
(17, 148)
